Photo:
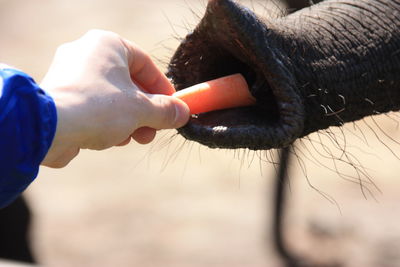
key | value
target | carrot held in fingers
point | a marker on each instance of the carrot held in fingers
(222, 93)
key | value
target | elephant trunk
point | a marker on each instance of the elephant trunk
(335, 62)
(345, 56)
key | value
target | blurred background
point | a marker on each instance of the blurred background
(176, 203)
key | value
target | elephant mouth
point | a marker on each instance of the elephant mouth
(231, 39)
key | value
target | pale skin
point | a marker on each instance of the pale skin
(107, 91)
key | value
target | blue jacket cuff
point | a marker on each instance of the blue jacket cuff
(28, 122)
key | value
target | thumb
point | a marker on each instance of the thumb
(166, 112)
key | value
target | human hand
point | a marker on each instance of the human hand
(107, 91)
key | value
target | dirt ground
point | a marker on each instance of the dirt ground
(176, 203)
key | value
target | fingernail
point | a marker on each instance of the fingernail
(181, 114)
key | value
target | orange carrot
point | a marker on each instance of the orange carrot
(225, 92)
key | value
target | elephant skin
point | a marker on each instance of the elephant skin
(335, 62)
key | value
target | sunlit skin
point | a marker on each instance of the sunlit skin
(107, 90)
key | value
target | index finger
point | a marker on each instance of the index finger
(145, 73)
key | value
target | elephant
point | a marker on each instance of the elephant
(334, 62)
(320, 66)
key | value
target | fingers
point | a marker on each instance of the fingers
(144, 135)
(144, 71)
(125, 142)
(165, 112)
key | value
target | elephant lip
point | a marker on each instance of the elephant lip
(230, 39)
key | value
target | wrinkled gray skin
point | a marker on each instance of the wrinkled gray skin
(335, 62)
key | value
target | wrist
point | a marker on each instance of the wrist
(65, 145)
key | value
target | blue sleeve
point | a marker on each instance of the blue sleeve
(28, 122)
